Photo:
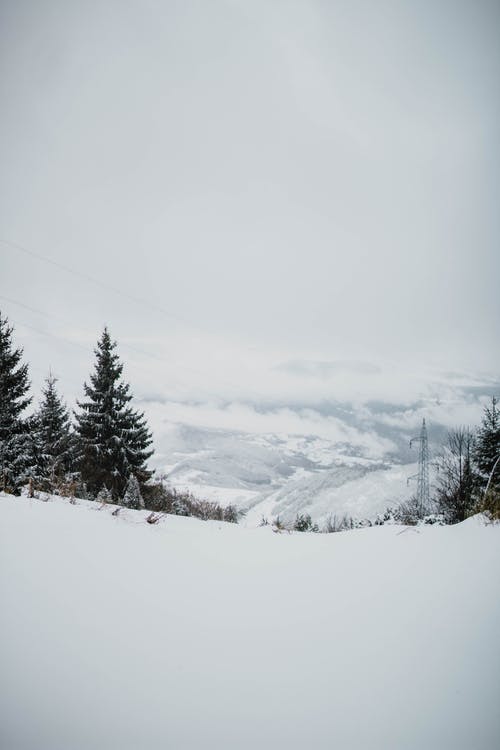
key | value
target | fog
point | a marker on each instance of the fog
(251, 184)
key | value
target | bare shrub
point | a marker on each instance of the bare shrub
(457, 480)
(279, 525)
(160, 498)
(490, 505)
(338, 523)
(408, 513)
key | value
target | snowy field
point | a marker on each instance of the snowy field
(118, 635)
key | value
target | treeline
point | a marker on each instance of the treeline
(98, 453)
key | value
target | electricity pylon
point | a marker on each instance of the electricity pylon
(423, 470)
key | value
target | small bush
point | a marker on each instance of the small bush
(231, 515)
(67, 488)
(104, 496)
(409, 513)
(338, 523)
(133, 496)
(279, 525)
(181, 506)
(490, 505)
(160, 498)
(386, 518)
(81, 491)
(303, 522)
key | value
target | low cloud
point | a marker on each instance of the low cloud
(308, 368)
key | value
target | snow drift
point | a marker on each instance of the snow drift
(189, 634)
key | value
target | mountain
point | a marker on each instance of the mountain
(319, 456)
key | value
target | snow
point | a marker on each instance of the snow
(188, 634)
(278, 474)
(358, 491)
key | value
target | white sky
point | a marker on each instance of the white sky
(298, 180)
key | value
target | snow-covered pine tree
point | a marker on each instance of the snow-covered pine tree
(51, 439)
(132, 497)
(487, 448)
(104, 495)
(14, 386)
(112, 438)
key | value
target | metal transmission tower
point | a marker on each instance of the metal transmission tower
(423, 470)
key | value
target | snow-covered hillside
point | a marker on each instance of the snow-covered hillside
(318, 455)
(281, 474)
(187, 635)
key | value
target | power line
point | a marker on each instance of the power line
(99, 282)
(60, 320)
(115, 290)
(52, 335)
(169, 363)
(22, 304)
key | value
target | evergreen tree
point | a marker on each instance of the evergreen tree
(132, 497)
(14, 386)
(303, 522)
(487, 448)
(113, 439)
(51, 439)
(104, 495)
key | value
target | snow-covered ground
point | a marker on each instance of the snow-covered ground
(115, 634)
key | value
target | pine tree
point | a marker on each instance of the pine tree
(51, 439)
(487, 448)
(104, 495)
(14, 386)
(132, 497)
(113, 439)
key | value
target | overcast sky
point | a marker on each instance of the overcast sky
(308, 180)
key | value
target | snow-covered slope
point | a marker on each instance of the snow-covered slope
(306, 451)
(316, 455)
(357, 490)
(280, 474)
(187, 635)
